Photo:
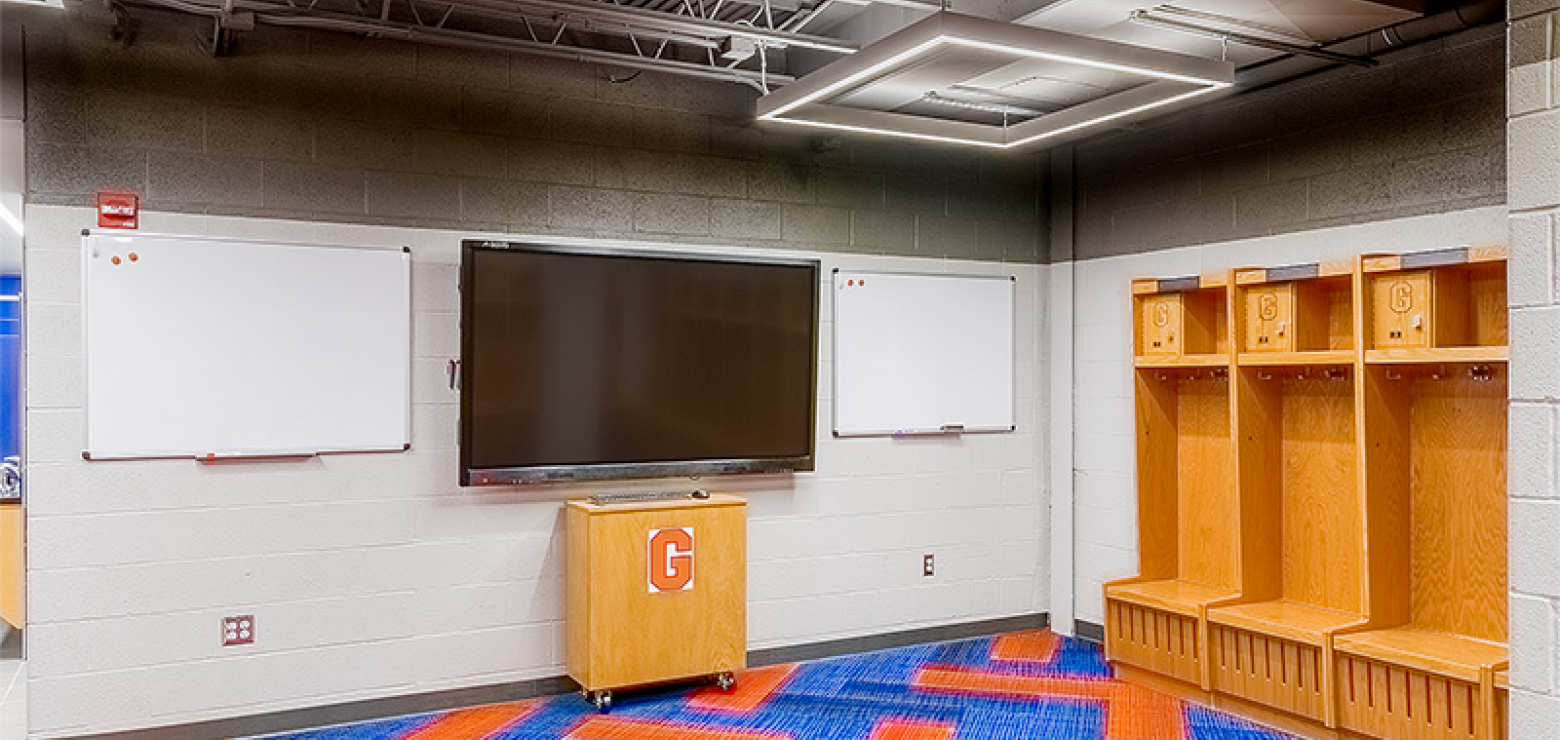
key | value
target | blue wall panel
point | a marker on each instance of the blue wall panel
(10, 365)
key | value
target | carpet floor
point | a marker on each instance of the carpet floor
(1015, 686)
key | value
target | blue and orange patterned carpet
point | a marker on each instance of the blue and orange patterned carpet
(1018, 685)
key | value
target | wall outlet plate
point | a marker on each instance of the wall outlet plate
(239, 630)
(928, 565)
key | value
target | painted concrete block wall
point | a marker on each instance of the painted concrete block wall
(1104, 460)
(376, 575)
(1421, 133)
(330, 127)
(373, 576)
(1533, 151)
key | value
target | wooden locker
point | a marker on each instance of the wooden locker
(1269, 318)
(1163, 324)
(1402, 315)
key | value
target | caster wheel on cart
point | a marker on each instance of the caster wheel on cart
(603, 701)
(725, 681)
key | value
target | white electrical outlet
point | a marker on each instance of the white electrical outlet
(928, 565)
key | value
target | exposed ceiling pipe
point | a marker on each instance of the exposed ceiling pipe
(1147, 18)
(283, 15)
(1371, 44)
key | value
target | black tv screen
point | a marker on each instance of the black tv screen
(584, 364)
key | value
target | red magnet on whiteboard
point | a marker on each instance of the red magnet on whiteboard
(851, 283)
(134, 256)
(118, 209)
(115, 260)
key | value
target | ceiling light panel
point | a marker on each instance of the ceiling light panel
(897, 86)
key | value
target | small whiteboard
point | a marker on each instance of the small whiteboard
(922, 354)
(214, 348)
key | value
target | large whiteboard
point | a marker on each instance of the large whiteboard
(216, 347)
(918, 354)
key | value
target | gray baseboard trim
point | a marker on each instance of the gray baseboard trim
(10, 642)
(884, 641)
(1090, 631)
(336, 714)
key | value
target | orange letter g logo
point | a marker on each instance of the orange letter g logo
(671, 559)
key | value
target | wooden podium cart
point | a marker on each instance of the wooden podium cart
(657, 592)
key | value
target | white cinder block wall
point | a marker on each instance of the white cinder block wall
(1104, 459)
(376, 575)
(1533, 192)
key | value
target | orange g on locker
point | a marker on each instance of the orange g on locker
(657, 591)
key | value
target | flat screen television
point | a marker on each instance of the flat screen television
(590, 363)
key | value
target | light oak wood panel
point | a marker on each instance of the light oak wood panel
(1268, 321)
(1291, 620)
(1275, 672)
(1389, 701)
(12, 572)
(1384, 459)
(1487, 296)
(633, 636)
(1437, 355)
(1188, 361)
(1401, 310)
(1324, 314)
(577, 613)
(1444, 654)
(1299, 486)
(1457, 444)
(1177, 597)
(1207, 510)
(1160, 325)
(1162, 642)
(1334, 357)
(1206, 321)
(1322, 544)
(1258, 424)
(1452, 308)
(1157, 446)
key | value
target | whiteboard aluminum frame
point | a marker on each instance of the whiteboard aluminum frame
(620, 471)
(214, 455)
(946, 429)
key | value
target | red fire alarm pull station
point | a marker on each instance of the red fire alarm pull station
(118, 210)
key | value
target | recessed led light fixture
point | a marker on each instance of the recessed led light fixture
(857, 93)
(41, 3)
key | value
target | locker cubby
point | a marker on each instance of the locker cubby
(1311, 318)
(1183, 320)
(1302, 538)
(1188, 541)
(1435, 465)
(1435, 313)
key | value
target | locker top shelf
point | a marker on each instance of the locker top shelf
(1431, 355)
(1437, 258)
